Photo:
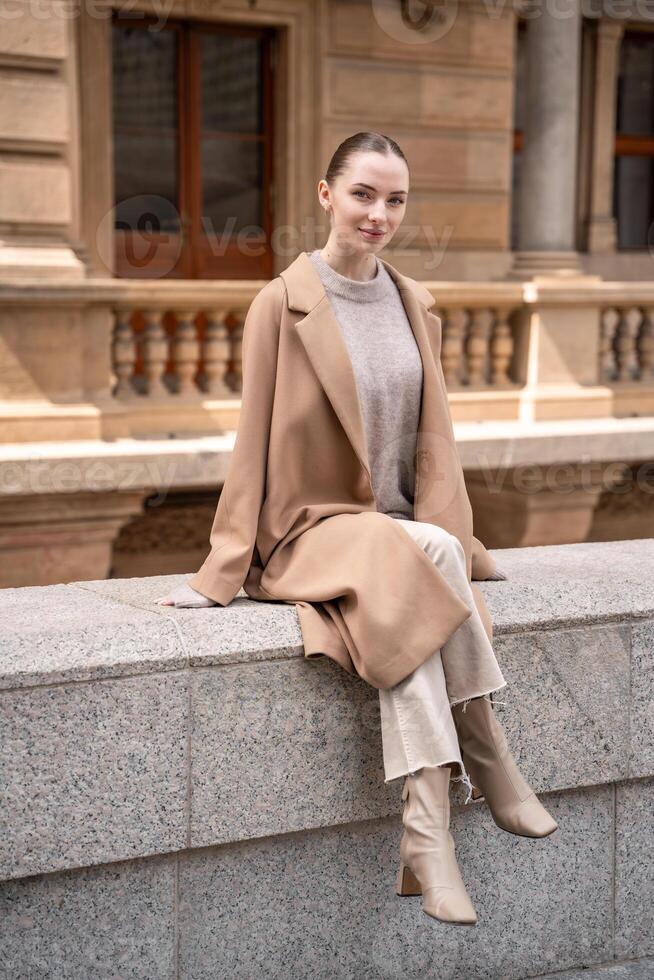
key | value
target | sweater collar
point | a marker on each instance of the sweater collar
(305, 288)
(353, 289)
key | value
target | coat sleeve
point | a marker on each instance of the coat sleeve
(234, 530)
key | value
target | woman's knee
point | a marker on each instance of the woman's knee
(437, 541)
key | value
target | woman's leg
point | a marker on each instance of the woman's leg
(469, 662)
(416, 718)
(470, 673)
(417, 724)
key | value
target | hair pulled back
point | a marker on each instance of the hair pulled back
(360, 143)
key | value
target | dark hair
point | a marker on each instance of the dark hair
(358, 143)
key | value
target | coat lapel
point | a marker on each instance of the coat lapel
(325, 345)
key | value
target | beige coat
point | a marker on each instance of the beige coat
(297, 521)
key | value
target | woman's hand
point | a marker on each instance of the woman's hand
(184, 597)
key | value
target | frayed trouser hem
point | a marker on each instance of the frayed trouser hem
(488, 695)
(464, 777)
(482, 694)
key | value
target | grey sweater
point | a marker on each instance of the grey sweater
(388, 372)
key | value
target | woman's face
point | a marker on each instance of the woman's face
(368, 197)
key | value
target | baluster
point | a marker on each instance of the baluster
(155, 350)
(609, 323)
(216, 352)
(645, 346)
(624, 344)
(123, 353)
(452, 345)
(501, 348)
(477, 345)
(185, 351)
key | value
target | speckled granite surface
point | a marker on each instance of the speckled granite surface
(115, 921)
(346, 920)
(568, 689)
(105, 628)
(573, 583)
(131, 729)
(640, 969)
(634, 862)
(642, 699)
(55, 633)
(321, 904)
(305, 754)
(93, 772)
(238, 788)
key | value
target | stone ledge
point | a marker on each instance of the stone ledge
(109, 628)
(130, 729)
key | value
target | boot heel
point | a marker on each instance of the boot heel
(407, 883)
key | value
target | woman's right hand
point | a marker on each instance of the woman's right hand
(184, 597)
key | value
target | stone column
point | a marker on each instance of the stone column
(548, 184)
(602, 233)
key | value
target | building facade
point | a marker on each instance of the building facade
(159, 162)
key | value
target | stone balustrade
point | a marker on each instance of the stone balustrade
(477, 346)
(116, 391)
(172, 343)
(108, 358)
(184, 795)
(627, 350)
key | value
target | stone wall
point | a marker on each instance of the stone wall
(184, 795)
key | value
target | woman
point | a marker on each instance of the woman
(345, 496)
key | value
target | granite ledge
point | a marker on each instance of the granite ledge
(108, 628)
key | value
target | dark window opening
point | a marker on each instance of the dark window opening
(633, 186)
(192, 126)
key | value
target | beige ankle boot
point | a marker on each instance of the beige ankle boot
(513, 804)
(428, 864)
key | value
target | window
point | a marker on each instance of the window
(192, 123)
(633, 188)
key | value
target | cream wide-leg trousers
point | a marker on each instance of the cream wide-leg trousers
(416, 714)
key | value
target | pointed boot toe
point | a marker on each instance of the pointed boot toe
(449, 905)
(428, 864)
(512, 802)
(529, 819)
